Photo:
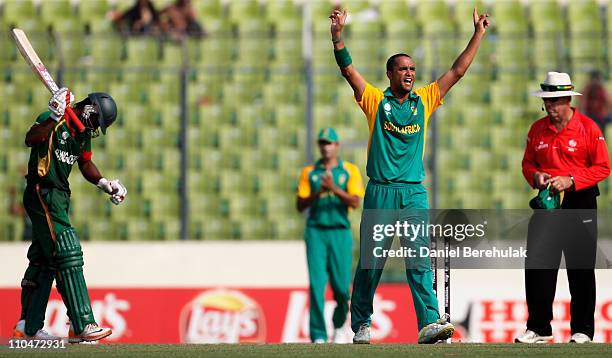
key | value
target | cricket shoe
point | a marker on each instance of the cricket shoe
(74, 339)
(440, 330)
(338, 335)
(580, 338)
(19, 333)
(363, 335)
(92, 332)
(319, 341)
(531, 337)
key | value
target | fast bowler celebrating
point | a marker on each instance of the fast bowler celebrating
(397, 119)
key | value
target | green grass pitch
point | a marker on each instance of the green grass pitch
(324, 350)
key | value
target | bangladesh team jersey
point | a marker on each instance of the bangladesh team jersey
(328, 210)
(51, 161)
(398, 132)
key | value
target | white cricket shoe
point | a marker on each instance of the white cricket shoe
(580, 338)
(93, 332)
(338, 335)
(440, 330)
(74, 339)
(363, 335)
(319, 341)
(531, 337)
(19, 333)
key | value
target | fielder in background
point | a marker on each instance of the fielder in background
(565, 153)
(397, 119)
(55, 252)
(330, 188)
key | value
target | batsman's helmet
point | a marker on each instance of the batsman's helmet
(107, 107)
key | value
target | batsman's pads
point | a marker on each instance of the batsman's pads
(69, 263)
(35, 290)
(107, 109)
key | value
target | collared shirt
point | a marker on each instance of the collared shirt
(329, 210)
(578, 150)
(51, 161)
(398, 132)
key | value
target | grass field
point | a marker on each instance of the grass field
(326, 350)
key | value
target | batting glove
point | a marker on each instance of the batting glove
(57, 103)
(119, 192)
(105, 185)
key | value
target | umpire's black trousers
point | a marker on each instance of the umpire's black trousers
(573, 233)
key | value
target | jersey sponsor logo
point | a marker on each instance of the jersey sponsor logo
(541, 146)
(409, 129)
(65, 157)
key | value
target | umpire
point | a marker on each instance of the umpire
(565, 155)
(329, 188)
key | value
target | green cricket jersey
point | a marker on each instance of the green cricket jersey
(328, 210)
(398, 132)
(51, 161)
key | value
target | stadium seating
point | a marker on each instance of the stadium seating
(245, 91)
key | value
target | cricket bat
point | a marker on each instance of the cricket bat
(31, 57)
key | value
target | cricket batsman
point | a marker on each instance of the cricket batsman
(397, 119)
(329, 188)
(55, 252)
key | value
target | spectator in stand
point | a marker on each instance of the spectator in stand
(595, 103)
(179, 20)
(142, 18)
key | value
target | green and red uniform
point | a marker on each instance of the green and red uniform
(55, 252)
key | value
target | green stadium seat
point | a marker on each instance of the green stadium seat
(11, 228)
(212, 51)
(137, 230)
(204, 182)
(52, 11)
(283, 12)
(169, 229)
(106, 51)
(510, 17)
(546, 17)
(240, 11)
(584, 18)
(203, 204)
(240, 207)
(463, 14)
(14, 10)
(319, 13)
(164, 205)
(208, 9)
(289, 228)
(255, 229)
(92, 10)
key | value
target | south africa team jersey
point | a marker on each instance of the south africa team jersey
(328, 210)
(51, 161)
(398, 132)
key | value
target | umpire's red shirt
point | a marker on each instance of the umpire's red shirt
(578, 150)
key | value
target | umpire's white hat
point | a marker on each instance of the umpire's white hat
(556, 84)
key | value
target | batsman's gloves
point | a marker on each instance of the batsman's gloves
(119, 192)
(114, 188)
(57, 103)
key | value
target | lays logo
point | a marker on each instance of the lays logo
(222, 316)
